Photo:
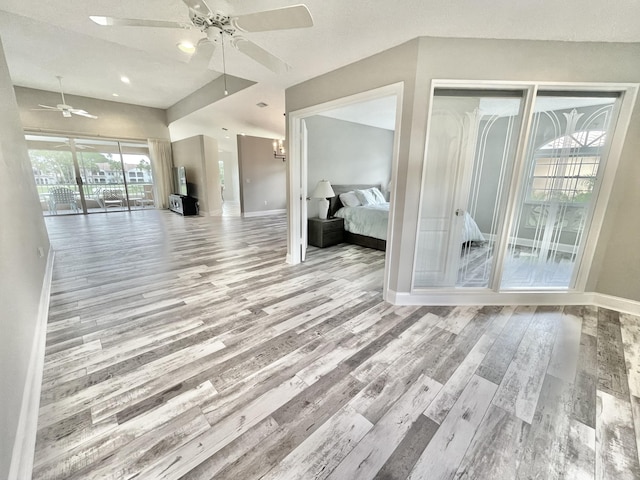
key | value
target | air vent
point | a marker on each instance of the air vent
(262, 104)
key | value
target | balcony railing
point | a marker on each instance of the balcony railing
(140, 195)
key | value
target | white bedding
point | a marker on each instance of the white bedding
(371, 221)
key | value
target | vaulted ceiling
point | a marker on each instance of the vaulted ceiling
(45, 38)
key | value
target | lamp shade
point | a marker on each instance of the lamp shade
(323, 190)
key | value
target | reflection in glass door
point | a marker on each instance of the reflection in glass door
(470, 156)
(563, 166)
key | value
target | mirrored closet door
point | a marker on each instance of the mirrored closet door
(470, 155)
(562, 168)
(510, 182)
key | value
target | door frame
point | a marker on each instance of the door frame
(297, 168)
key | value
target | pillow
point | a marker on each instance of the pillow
(349, 199)
(377, 194)
(366, 197)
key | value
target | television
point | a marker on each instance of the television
(182, 182)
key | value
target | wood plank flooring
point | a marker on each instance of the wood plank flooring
(185, 348)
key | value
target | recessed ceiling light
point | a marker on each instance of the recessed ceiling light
(125, 79)
(186, 47)
(115, 95)
(262, 104)
(226, 136)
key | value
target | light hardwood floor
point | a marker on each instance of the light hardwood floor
(186, 348)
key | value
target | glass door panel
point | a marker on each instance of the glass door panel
(55, 174)
(137, 167)
(564, 162)
(102, 175)
(470, 156)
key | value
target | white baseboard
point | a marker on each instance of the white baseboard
(450, 297)
(265, 213)
(620, 304)
(25, 441)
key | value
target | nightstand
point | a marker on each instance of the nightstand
(324, 233)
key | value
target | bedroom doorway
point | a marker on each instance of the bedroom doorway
(510, 182)
(322, 148)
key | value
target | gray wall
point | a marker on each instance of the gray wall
(616, 268)
(22, 232)
(262, 177)
(346, 153)
(115, 120)
(199, 156)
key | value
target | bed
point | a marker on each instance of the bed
(366, 224)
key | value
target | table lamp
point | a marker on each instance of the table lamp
(323, 191)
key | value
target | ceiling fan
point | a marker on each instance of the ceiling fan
(215, 24)
(66, 110)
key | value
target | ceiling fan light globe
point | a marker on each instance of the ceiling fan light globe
(100, 20)
(186, 47)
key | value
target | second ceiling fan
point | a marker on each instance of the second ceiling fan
(217, 24)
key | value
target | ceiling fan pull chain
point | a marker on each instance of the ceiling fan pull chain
(61, 90)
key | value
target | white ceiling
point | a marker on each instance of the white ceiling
(45, 38)
(380, 112)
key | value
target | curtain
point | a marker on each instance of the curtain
(162, 171)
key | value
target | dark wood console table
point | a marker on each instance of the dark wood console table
(183, 205)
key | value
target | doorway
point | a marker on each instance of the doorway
(302, 175)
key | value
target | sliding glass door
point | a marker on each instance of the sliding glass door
(86, 175)
(509, 186)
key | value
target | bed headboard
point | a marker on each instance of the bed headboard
(336, 204)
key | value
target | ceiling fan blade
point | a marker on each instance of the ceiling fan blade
(132, 22)
(198, 6)
(204, 52)
(46, 107)
(82, 113)
(260, 55)
(296, 16)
